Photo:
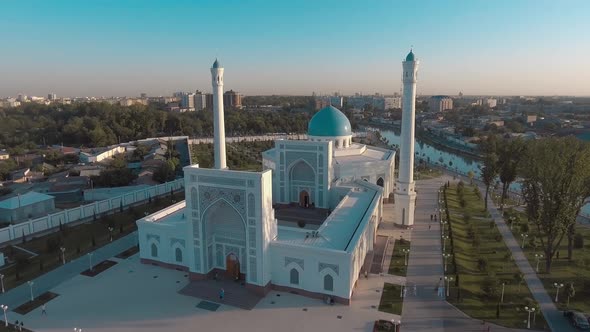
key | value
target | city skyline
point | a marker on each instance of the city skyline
(112, 48)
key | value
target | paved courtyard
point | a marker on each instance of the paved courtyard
(136, 297)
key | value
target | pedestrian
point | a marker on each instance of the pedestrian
(431, 217)
(405, 291)
(557, 254)
(440, 288)
(21, 325)
(221, 294)
(43, 311)
(429, 226)
(415, 290)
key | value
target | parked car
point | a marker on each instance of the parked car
(578, 319)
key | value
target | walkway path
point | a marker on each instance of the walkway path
(427, 312)
(21, 294)
(554, 317)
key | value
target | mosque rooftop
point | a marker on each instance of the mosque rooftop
(329, 121)
(360, 153)
(339, 231)
(173, 214)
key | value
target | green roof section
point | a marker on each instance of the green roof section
(216, 64)
(329, 121)
(410, 56)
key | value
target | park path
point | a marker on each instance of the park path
(21, 294)
(425, 311)
(554, 317)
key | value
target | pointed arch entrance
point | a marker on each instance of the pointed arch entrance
(224, 238)
(232, 266)
(304, 198)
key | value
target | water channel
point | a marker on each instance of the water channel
(452, 161)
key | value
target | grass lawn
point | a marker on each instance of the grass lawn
(397, 265)
(483, 263)
(562, 270)
(427, 173)
(77, 240)
(391, 302)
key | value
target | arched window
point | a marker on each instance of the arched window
(294, 277)
(328, 282)
(178, 254)
(154, 250)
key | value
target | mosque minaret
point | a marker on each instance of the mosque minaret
(218, 118)
(405, 194)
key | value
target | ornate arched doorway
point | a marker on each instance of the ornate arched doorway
(232, 266)
(225, 237)
(304, 198)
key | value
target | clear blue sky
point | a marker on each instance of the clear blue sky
(122, 47)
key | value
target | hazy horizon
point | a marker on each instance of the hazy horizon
(117, 48)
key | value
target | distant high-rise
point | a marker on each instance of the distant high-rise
(52, 96)
(200, 101)
(143, 95)
(440, 103)
(188, 101)
(233, 99)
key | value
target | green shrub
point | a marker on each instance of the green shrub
(482, 264)
(490, 287)
(578, 241)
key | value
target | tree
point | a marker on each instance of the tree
(509, 156)
(570, 292)
(518, 278)
(489, 172)
(470, 175)
(555, 182)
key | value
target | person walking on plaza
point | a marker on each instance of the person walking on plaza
(43, 311)
(221, 294)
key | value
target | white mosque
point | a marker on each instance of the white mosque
(304, 224)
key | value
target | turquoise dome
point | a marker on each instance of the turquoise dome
(410, 56)
(329, 121)
(216, 64)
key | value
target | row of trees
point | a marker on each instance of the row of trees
(100, 124)
(555, 178)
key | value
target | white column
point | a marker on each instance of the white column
(405, 195)
(218, 118)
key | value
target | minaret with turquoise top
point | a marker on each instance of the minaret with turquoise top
(405, 194)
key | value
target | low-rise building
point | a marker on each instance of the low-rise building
(27, 206)
(4, 155)
(98, 156)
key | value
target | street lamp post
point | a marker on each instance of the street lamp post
(442, 226)
(31, 283)
(558, 286)
(524, 236)
(448, 279)
(511, 222)
(396, 324)
(2, 282)
(529, 310)
(77, 329)
(63, 255)
(90, 260)
(406, 252)
(538, 257)
(502, 296)
(446, 257)
(445, 237)
(5, 307)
